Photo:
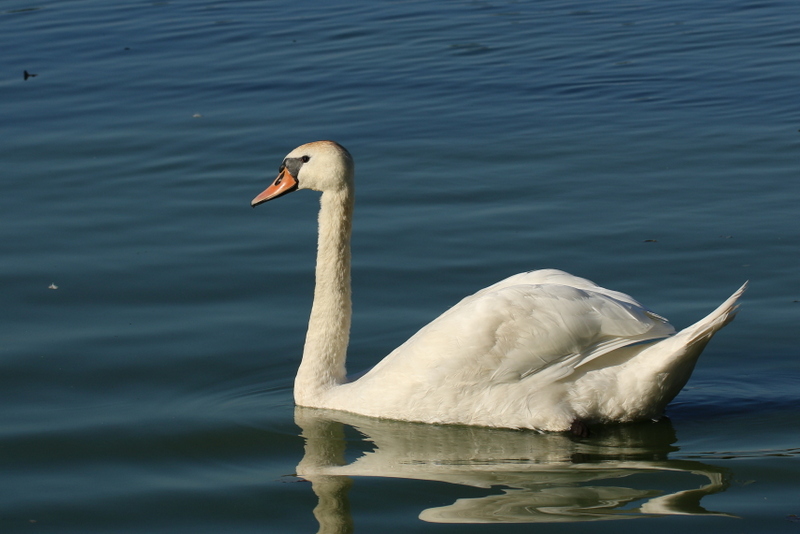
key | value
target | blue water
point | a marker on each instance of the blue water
(151, 322)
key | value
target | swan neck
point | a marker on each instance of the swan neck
(323, 364)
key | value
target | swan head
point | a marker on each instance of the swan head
(321, 166)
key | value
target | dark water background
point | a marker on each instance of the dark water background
(649, 146)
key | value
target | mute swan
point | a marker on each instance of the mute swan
(542, 350)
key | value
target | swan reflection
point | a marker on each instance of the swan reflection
(621, 472)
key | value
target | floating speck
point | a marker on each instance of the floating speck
(52, 286)
(26, 75)
(197, 115)
(651, 240)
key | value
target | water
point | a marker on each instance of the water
(650, 147)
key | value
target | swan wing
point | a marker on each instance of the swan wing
(538, 327)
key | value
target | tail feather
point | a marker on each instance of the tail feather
(674, 357)
(715, 320)
(682, 349)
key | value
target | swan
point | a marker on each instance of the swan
(541, 350)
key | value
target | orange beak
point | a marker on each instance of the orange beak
(283, 184)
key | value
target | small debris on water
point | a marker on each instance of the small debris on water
(52, 286)
(27, 75)
(651, 240)
(197, 115)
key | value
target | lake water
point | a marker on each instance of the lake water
(151, 322)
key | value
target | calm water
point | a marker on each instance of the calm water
(651, 147)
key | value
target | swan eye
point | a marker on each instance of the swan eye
(292, 165)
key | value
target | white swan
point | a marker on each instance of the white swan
(543, 350)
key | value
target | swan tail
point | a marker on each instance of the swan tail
(681, 350)
(660, 371)
(705, 328)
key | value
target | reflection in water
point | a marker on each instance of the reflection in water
(544, 477)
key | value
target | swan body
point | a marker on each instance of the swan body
(542, 350)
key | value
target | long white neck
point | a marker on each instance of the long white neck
(323, 365)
